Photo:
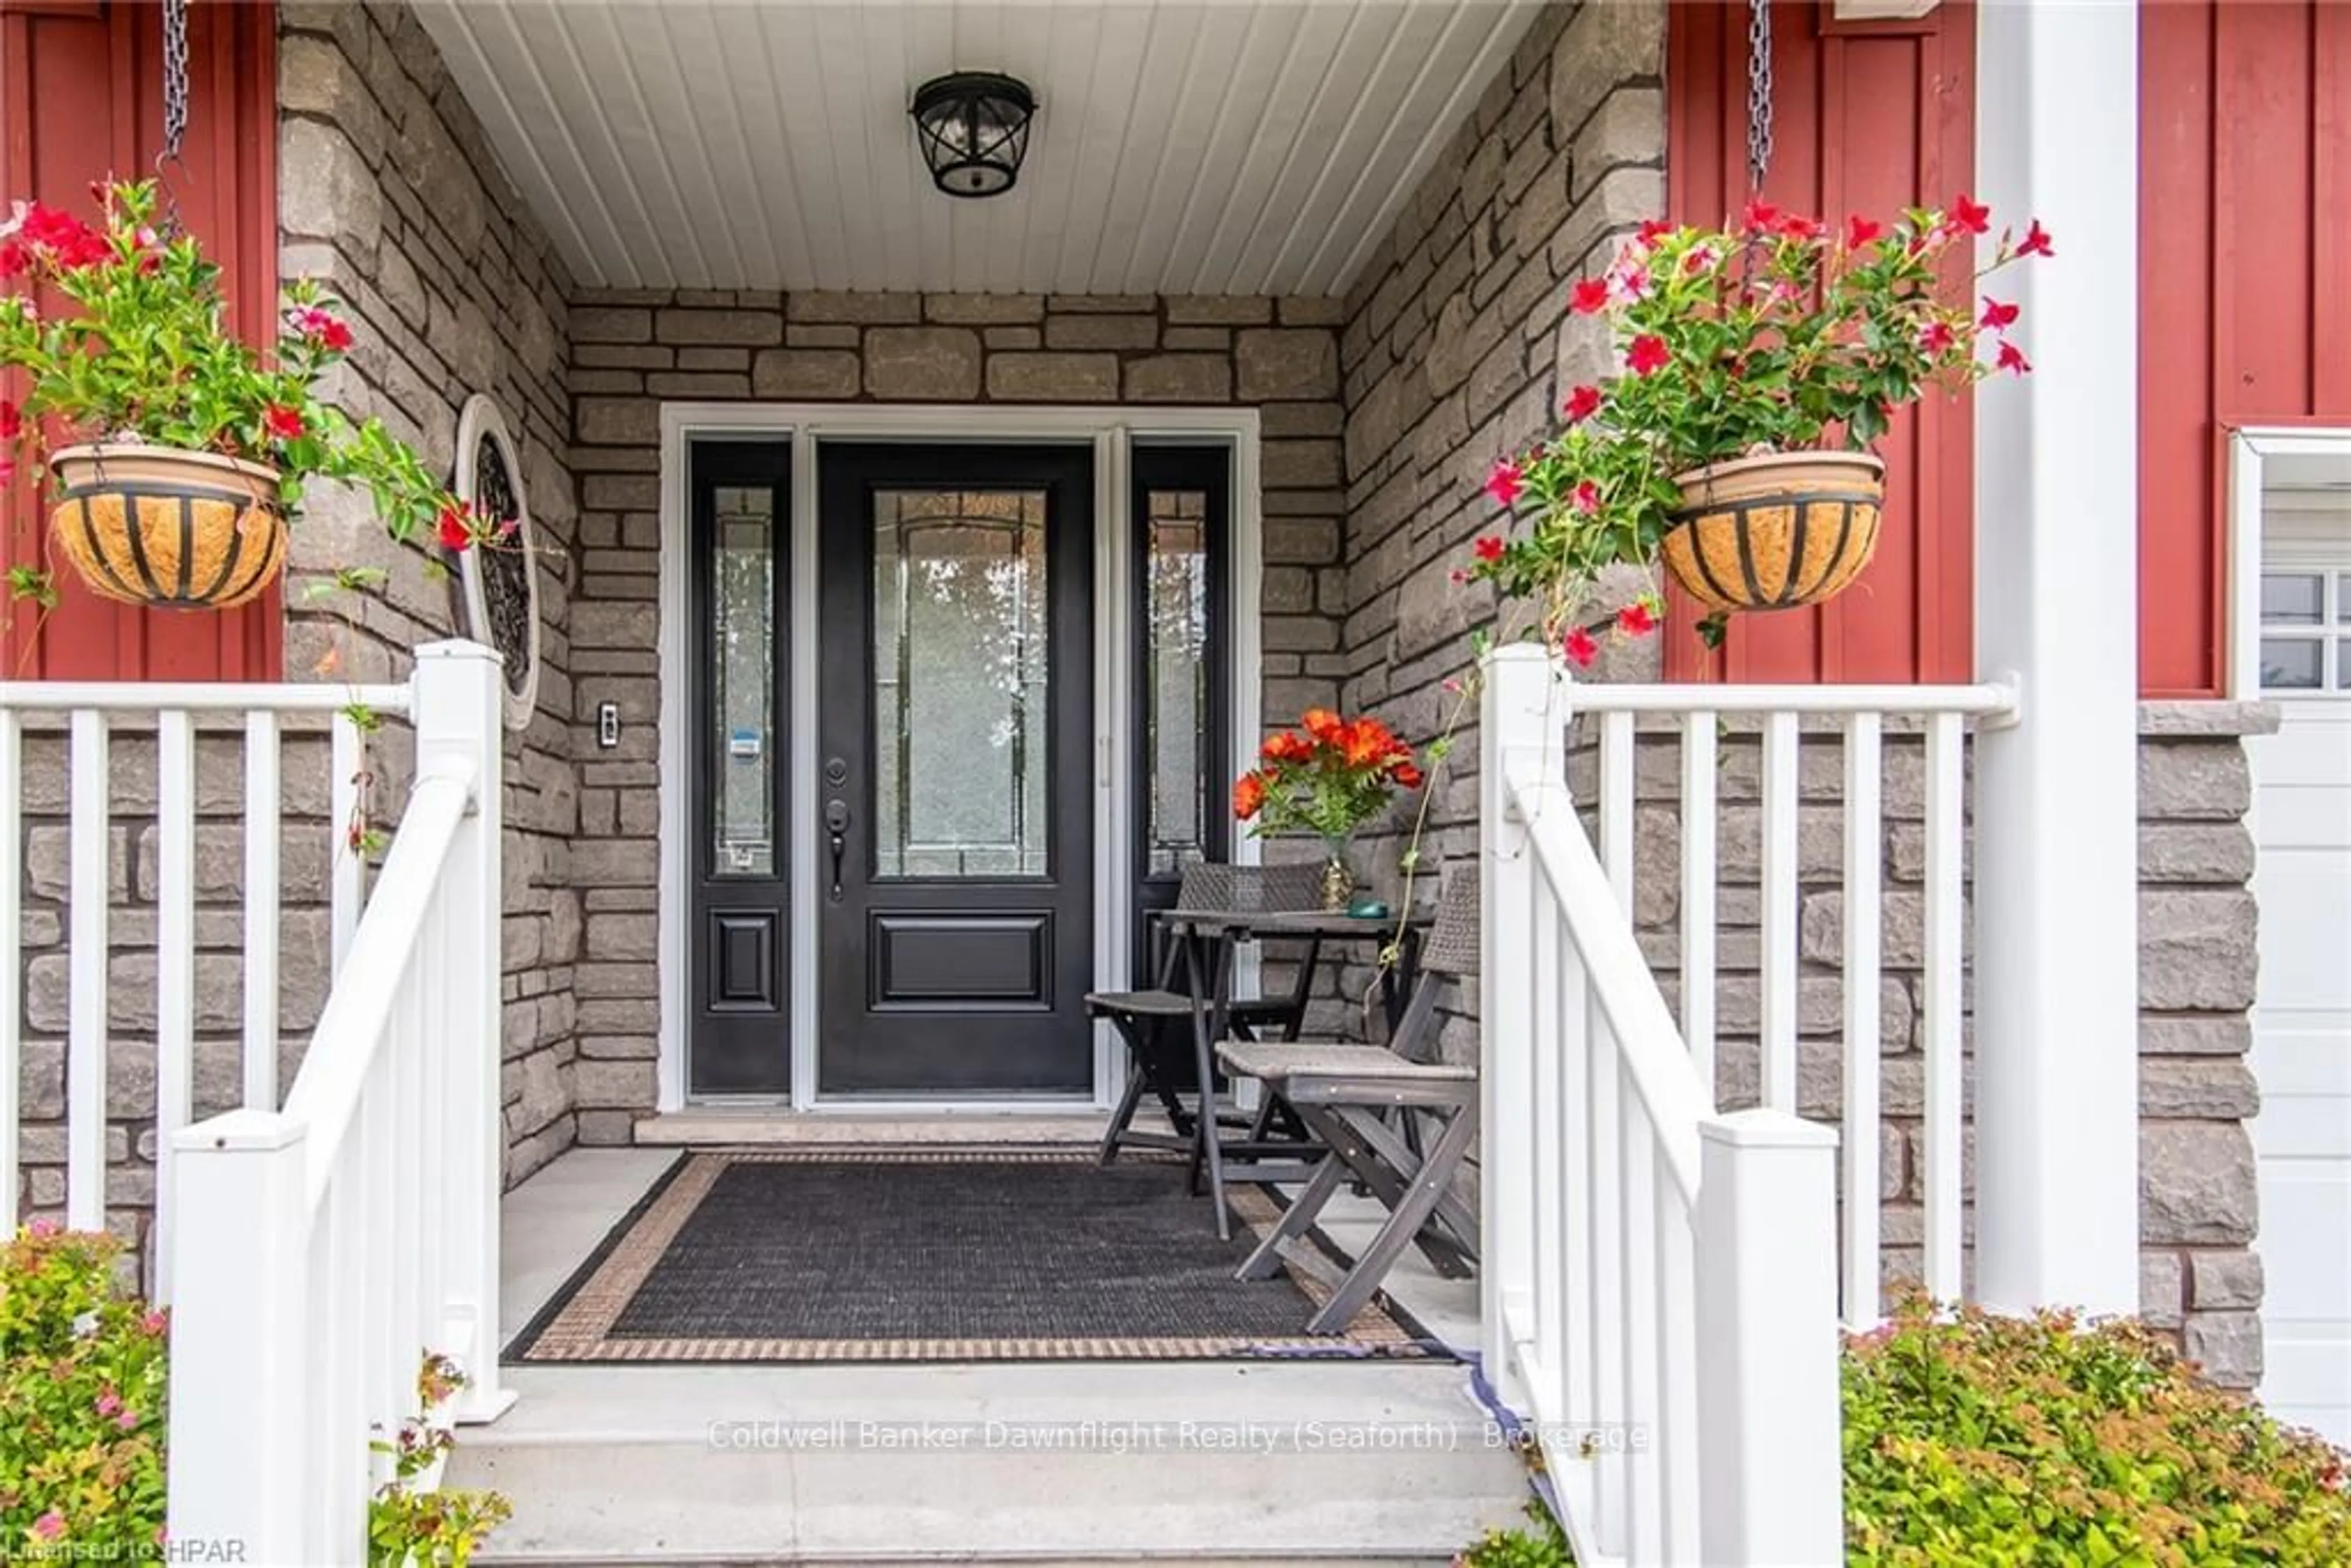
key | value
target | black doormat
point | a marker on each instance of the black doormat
(937, 1255)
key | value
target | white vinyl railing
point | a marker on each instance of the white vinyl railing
(85, 775)
(1662, 1281)
(320, 1250)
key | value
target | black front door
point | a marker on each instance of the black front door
(953, 744)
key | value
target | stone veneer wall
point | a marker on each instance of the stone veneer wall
(633, 350)
(2198, 968)
(389, 192)
(1458, 348)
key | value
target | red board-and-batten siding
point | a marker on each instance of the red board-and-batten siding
(80, 100)
(2245, 287)
(1866, 118)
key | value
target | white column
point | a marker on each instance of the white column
(2056, 1111)
(459, 715)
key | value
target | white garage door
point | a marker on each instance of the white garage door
(2302, 1027)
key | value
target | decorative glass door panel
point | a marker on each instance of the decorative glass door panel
(963, 717)
(954, 807)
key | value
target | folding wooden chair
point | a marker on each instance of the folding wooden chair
(1347, 1093)
(1156, 1023)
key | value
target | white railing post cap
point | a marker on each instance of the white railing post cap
(242, 1131)
(458, 648)
(1761, 1128)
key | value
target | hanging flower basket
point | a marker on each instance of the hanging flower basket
(1775, 532)
(157, 526)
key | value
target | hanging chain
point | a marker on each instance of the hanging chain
(175, 76)
(175, 105)
(1758, 91)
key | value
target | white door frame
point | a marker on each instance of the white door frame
(1112, 431)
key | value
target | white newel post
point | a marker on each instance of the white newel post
(1521, 717)
(459, 714)
(1770, 1451)
(240, 1271)
(2057, 1020)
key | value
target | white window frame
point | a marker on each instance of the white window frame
(2249, 450)
(1114, 430)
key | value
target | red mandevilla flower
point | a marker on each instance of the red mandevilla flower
(1580, 648)
(1635, 618)
(1760, 215)
(14, 259)
(1648, 353)
(1590, 296)
(324, 329)
(1505, 482)
(1652, 231)
(12, 421)
(1968, 216)
(2035, 241)
(1586, 498)
(1859, 231)
(1997, 317)
(455, 526)
(1583, 403)
(1936, 338)
(283, 423)
(1489, 548)
(2012, 359)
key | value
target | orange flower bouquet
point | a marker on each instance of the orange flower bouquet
(1327, 776)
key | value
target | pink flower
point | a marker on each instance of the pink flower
(2035, 241)
(1586, 498)
(49, 1526)
(1628, 283)
(42, 1230)
(1647, 353)
(1505, 482)
(1997, 317)
(1580, 648)
(108, 1402)
(1590, 296)
(154, 1322)
(1582, 405)
(127, 1421)
(1456, 577)
(1652, 231)
(1697, 259)
(323, 328)
(2012, 359)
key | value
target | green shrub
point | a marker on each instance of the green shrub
(1982, 1439)
(81, 1403)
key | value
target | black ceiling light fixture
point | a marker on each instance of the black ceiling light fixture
(974, 130)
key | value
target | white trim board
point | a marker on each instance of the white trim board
(2248, 448)
(1112, 431)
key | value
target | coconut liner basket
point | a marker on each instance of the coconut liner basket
(1775, 532)
(172, 530)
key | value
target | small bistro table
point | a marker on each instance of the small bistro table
(1211, 942)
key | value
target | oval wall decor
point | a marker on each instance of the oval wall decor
(500, 584)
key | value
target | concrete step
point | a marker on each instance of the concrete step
(1042, 1464)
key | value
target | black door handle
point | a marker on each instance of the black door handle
(836, 824)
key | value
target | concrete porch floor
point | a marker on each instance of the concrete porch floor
(1032, 1462)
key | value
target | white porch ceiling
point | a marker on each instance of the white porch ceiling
(1180, 146)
